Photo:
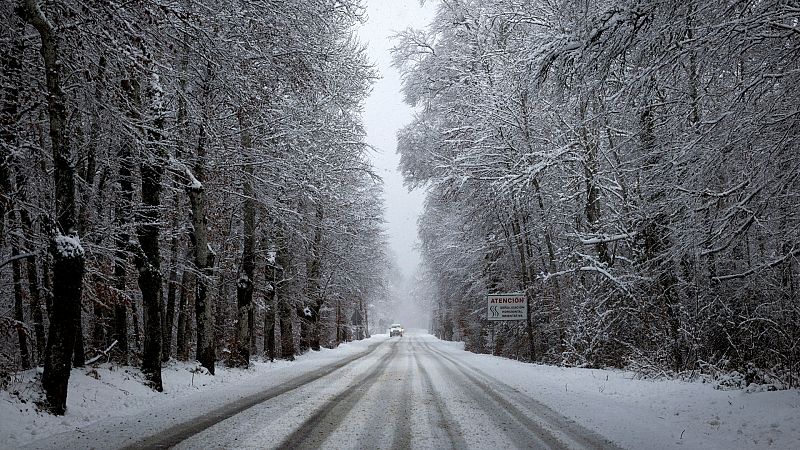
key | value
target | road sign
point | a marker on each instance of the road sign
(510, 306)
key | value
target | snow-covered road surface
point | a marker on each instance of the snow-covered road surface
(406, 394)
(410, 392)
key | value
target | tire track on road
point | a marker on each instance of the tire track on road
(574, 432)
(314, 430)
(401, 438)
(520, 429)
(450, 428)
(176, 434)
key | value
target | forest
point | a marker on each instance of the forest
(182, 179)
(633, 167)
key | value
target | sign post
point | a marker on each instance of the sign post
(509, 306)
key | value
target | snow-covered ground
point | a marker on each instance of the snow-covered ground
(653, 414)
(632, 413)
(105, 393)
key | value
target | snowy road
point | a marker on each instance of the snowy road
(405, 393)
(410, 392)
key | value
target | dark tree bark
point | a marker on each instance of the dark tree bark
(100, 307)
(304, 318)
(19, 314)
(285, 318)
(31, 267)
(172, 285)
(12, 66)
(79, 349)
(314, 292)
(271, 272)
(181, 339)
(36, 306)
(122, 220)
(123, 202)
(11, 62)
(269, 320)
(148, 260)
(244, 285)
(203, 260)
(339, 321)
(148, 264)
(68, 255)
(284, 312)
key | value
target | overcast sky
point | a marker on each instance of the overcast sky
(385, 113)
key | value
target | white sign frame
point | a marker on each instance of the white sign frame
(506, 306)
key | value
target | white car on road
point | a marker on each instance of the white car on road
(396, 330)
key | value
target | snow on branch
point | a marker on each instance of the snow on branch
(103, 353)
(16, 257)
(194, 183)
(795, 252)
(602, 239)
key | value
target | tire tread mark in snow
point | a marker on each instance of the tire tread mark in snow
(575, 432)
(524, 432)
(340, 405)
(402, 427)
(176, 434)
(451, 428)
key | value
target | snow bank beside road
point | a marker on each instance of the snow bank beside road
(652, 414)
(107, 393)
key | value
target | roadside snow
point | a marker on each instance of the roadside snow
(108, 393)
(651, 414)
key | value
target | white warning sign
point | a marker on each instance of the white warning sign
(510, 306)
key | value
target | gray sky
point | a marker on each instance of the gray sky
(385, 113)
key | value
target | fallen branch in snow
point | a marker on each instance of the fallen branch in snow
(103, 353)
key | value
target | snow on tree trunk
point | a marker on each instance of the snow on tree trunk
(68, 255)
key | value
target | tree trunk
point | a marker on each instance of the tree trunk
(181, 340)
(79, 349)
(314, 290)
(338, 321)
(19, 315)
(590, 168)
(148, 257)
(244, 285)
(68, 255)
(36, 304)
(122, 220)
(519, 243)
(100, 308)
(203, 260)
(269, 312)
(221, 312)
(287, 338)
(172, 282)
(120, 270)
(12, 65)
(284, 310)
(366, 321)
(172, 285)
